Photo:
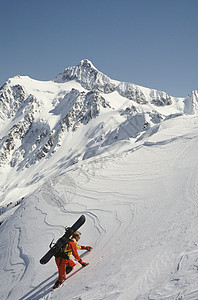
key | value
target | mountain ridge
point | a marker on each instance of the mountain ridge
(36, 116)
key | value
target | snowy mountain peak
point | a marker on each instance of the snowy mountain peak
(87, 64)
(36, 118)
(88, 76)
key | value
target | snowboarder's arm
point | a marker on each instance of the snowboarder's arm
(73, 248)
(88, 248)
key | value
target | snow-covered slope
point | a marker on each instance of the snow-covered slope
(123, 155)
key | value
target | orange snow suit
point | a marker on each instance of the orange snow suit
(62, 263)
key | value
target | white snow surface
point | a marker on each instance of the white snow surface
(138, 193)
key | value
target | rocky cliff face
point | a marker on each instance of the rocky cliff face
(30, 138)
(36, 118)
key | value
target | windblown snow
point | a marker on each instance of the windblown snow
(123, 155)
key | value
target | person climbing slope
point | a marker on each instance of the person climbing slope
(63, 258)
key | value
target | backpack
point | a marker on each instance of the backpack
(60, 252)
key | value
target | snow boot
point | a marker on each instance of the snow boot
(57, 284)
(68, 269)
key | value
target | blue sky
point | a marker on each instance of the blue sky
(153, 43)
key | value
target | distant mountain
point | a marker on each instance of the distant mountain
(91, 79)
(82, 107)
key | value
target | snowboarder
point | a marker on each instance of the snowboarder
(63, 261)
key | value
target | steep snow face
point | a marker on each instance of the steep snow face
(141, 220)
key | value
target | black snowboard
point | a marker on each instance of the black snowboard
(63, 240)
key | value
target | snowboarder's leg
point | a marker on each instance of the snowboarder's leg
(61, 264)
(70, 265)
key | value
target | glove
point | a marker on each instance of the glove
(84, 264)
(88, 248)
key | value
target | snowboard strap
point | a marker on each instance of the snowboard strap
(60, 261)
